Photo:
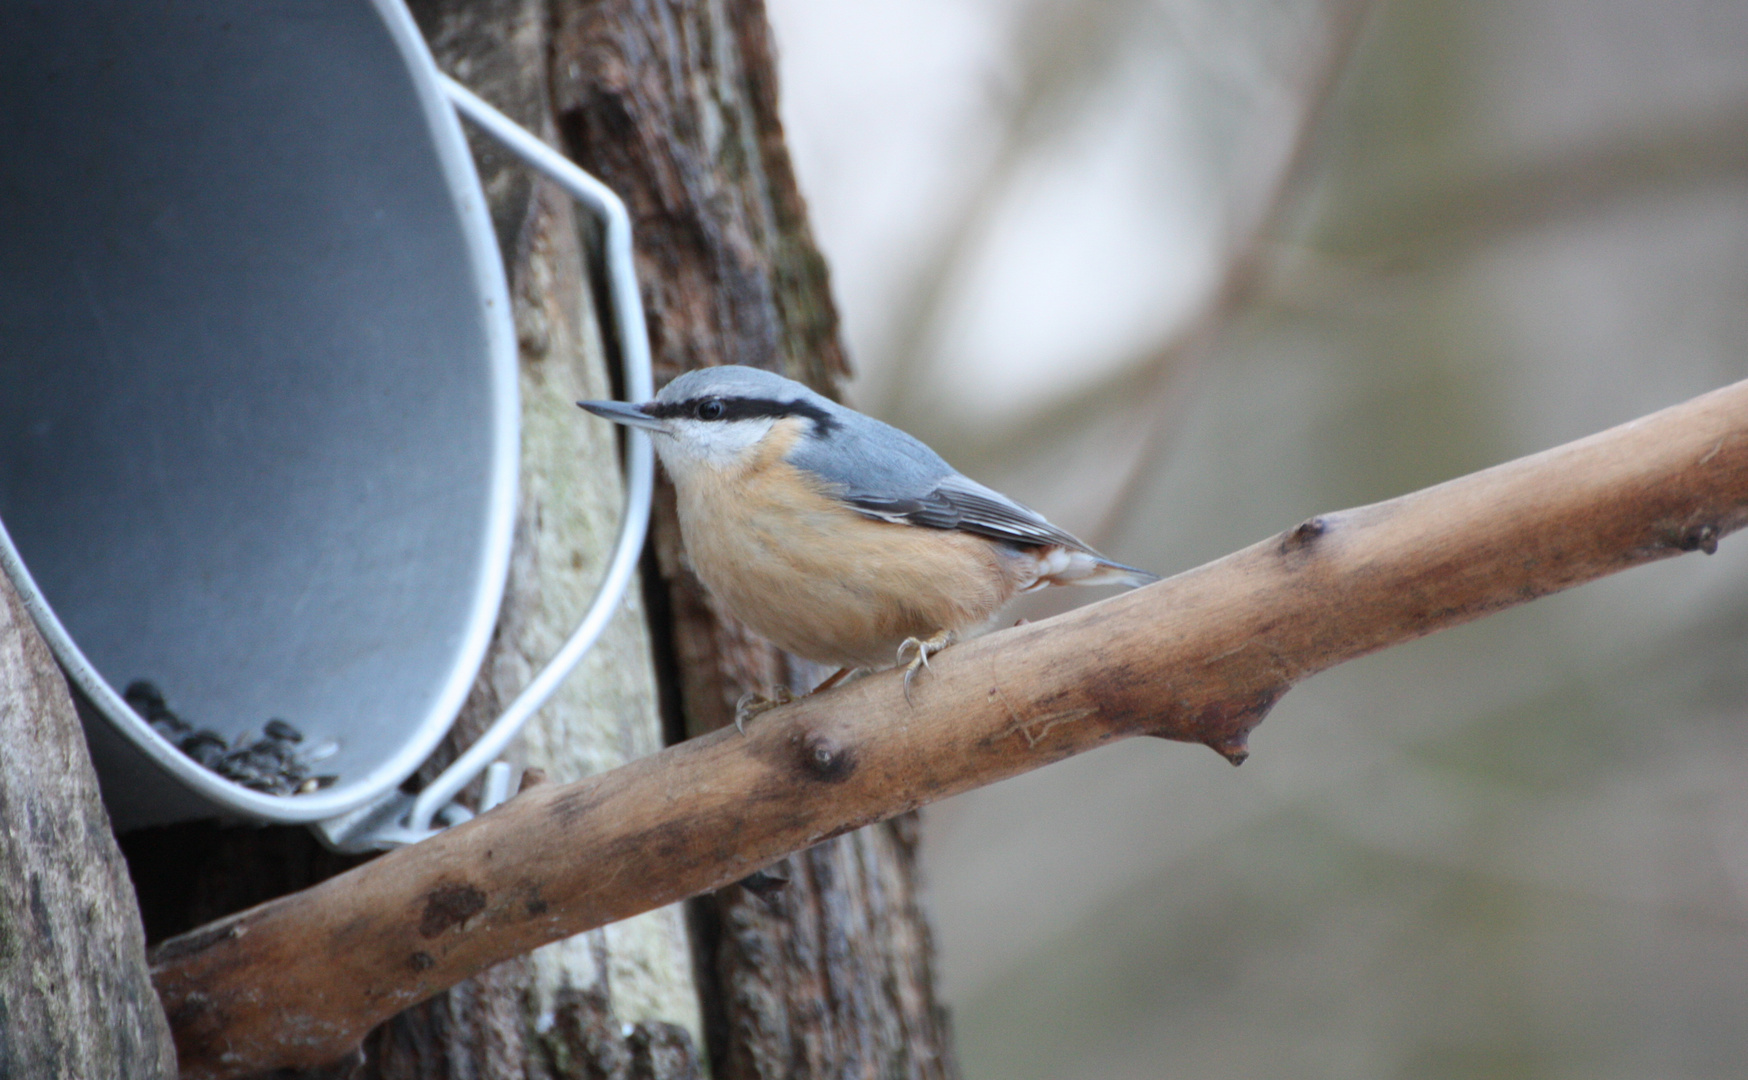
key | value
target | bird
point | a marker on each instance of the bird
(836, 536)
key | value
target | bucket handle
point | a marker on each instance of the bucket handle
(398, 818)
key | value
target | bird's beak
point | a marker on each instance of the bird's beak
(623, 413)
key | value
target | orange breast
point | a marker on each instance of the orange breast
(824, 582)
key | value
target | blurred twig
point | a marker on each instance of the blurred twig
(1143, 392)
(1061, 47)
(1438, 207)
(1247, 261)
(1426, 210)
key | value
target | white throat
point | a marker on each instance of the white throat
(713, 445)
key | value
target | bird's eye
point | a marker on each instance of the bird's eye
(711, 409)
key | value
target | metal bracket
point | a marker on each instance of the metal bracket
(397, 818)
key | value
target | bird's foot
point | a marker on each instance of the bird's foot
(925, 648)
(751, 705)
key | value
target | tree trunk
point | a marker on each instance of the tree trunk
(674, 104)
(75, 997)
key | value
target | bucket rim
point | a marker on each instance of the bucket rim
(228, 798)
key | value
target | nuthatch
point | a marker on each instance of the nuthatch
(840, 538)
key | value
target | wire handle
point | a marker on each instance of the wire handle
(398, 819)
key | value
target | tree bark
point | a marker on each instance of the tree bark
(75, 996)
(1200, 657)
(674, 104)
(831, 974)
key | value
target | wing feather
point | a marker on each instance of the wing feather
(963, 504)
(888, 475)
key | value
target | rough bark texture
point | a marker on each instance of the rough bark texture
(75, 997)
(674, 104)
(1201, 657)
(831, 974)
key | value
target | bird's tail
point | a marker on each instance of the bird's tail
(1106, 572)
(1067, 566)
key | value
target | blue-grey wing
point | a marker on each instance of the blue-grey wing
(891, 476)
(960, 503)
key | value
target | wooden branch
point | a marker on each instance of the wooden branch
(1201, 657)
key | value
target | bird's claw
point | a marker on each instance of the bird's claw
(925, 648)
(751, 705)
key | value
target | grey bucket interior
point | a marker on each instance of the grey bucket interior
(257, 387)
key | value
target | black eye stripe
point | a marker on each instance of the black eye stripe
(741, 408)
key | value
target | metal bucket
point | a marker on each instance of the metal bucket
(258, 399)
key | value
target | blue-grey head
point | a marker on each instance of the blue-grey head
(715, 417)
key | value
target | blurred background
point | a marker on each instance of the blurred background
(1181, 273)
